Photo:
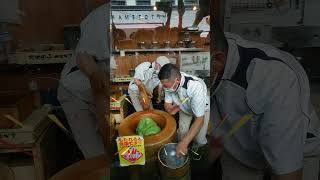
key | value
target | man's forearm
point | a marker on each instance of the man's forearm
(167, 107)
(139, 84)
(141, 87)
(86, 63)
(194, 129)
(296, 175)
(143, 91)
(104, 127)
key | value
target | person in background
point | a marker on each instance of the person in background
(146, 77)
(187, 95)
(283, 134)
(83, 89)
(204, 10)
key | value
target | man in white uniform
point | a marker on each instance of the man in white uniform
(187, 95)
(283, 135)
(83, 90)
(146, 74)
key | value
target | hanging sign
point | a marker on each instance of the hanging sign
(197, 64)
(138, 17)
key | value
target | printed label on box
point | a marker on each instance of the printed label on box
(131, 150)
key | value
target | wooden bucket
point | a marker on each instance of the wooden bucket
(152, 143)
(6, 172)
(93, 169)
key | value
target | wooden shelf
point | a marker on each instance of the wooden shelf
(20, 150)
(162, 50)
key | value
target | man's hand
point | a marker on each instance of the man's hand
(98, 81)
(181, 149)
(145, 104)
(149, 95)
(182, 146)
(171, 109)
(175, 109)
(158, 100)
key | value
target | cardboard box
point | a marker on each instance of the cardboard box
(18, 105)
(26, 172)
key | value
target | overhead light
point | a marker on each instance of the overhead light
(194, 8)
(155, 8)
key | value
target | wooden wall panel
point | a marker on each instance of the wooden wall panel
(17, 79)
(125, 63)
(44, 20)
(97, 3)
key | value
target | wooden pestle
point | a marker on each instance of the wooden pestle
(144, 98)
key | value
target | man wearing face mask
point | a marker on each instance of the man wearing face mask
(187, 95)
(146, 77)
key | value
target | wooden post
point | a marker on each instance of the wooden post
(87, 6)
(217, 11)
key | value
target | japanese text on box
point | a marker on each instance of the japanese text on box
(131, 150)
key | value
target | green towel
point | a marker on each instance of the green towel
(147, 127)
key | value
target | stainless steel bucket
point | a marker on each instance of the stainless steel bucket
(171, 167)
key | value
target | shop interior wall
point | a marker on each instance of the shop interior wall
(42, 23)
(129, 62)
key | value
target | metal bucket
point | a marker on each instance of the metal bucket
(171, 167)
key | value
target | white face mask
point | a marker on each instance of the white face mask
(171, 88)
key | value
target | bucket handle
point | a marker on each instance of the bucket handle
(195, 156)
